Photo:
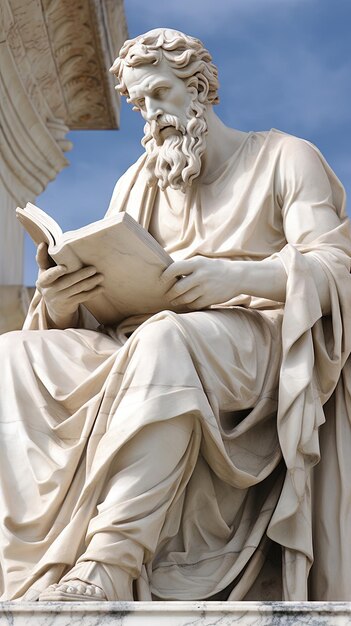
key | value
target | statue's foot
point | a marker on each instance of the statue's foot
(72, 591)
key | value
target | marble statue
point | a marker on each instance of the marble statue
(185, 456)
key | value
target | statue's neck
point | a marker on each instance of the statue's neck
(221, 143)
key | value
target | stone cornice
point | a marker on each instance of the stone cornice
(54, 60)
(69, 47)
(82, 36)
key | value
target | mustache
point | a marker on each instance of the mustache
(156, 126)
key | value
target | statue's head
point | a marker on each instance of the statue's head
(169, 77)
(186, 55)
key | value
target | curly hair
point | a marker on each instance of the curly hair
(186, 55)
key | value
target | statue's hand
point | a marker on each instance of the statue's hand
(63, 291)
(201, 282)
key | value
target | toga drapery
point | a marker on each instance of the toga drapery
(256, 379)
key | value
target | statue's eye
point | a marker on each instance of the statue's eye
(160, 92)
(140, 103)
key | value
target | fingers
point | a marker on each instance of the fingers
(189, 297)
(42, 257)
(49, 276)
(188, 287)
(176, 269)
(81, 286)
(59, 275)
(182, 286)
(83, 296)
(63, 292)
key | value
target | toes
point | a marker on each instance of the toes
(92, 590)
(89, 590)
(99, 592)
(82, 589)
(73, 590)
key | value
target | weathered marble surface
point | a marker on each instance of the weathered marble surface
(54, 60)
(176, 614)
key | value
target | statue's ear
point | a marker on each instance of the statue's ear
(202, 89)
(198, 87)
(192, 88)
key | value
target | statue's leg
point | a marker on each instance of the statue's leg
(43, 373)
(146, 477)
(123, 404)
(147, 474)
(48, 378)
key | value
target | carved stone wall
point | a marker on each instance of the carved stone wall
(54, 60)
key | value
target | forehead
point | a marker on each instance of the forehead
(146, 77)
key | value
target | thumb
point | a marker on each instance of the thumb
(42, 257)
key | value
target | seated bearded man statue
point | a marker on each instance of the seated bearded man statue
(196, 454)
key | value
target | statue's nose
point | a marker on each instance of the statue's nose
(153, 110)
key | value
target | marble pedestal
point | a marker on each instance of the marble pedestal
(176, 614)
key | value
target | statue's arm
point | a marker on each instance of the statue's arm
(311, 199)
(308, 212)
(206, 281)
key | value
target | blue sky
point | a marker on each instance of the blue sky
(282, 63)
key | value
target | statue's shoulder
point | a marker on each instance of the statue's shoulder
(292, 152)
(287, 143)
(278, 147)
(299, 164)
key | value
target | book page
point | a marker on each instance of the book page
(39, 225)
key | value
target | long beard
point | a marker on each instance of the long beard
(176, 161)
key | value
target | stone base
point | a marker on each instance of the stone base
(175, 614)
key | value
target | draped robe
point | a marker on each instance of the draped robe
(258, 378)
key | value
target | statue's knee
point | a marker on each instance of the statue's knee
(160, 336)
(10, 341)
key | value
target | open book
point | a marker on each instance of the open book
(130, 259)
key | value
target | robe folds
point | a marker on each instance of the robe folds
(261, 390)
